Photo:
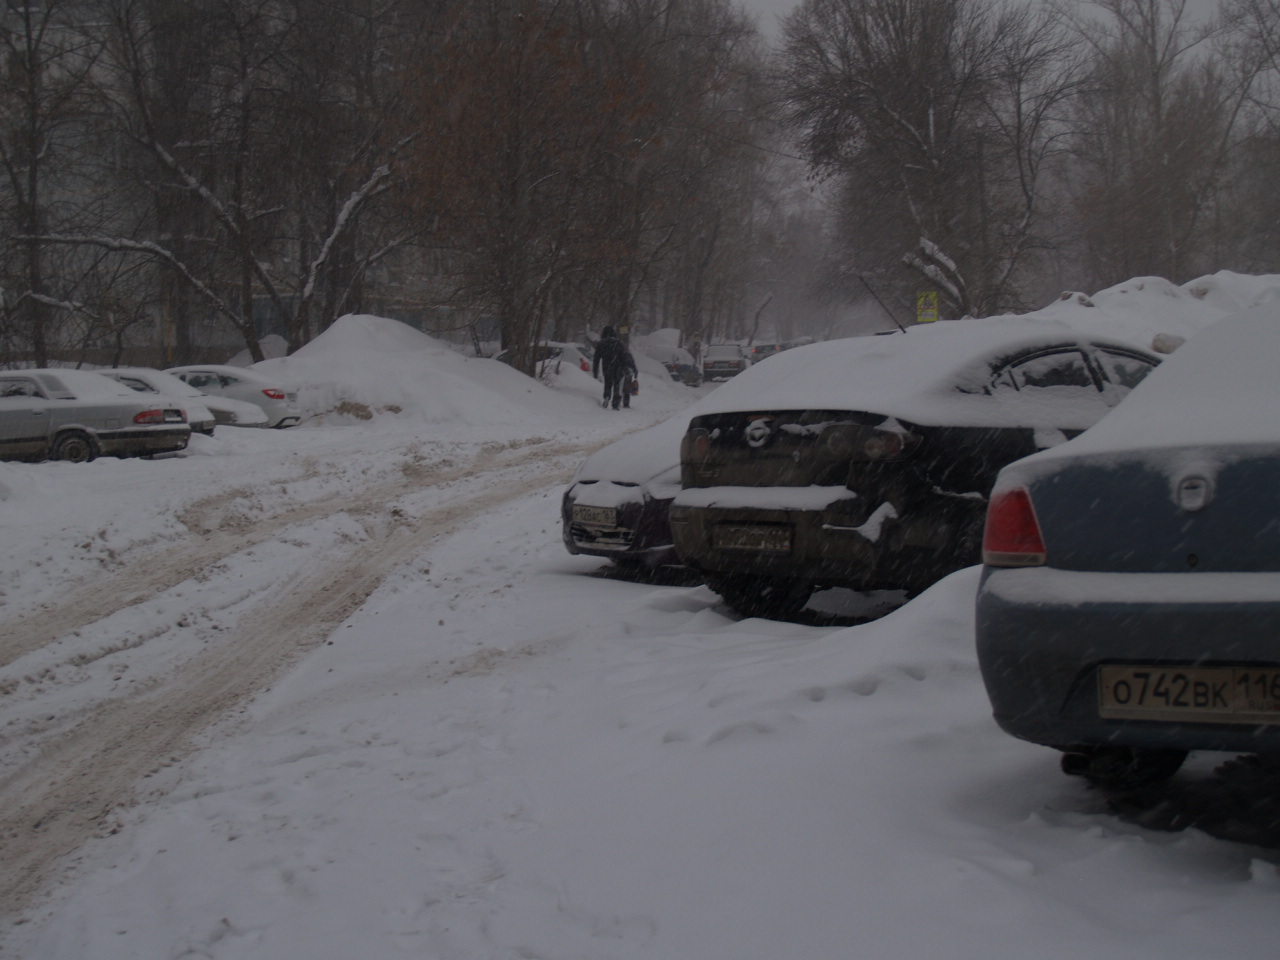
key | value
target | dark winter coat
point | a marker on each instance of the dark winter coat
(613, 355)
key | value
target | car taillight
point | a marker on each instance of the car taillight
(273, 393)
(884, 445)
(586, 367)
(1011, 537)
(149, 416)
(696, 446)
(860, 443)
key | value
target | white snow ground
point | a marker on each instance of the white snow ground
(493, 752)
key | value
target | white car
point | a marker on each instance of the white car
(553, 355)
(222, 410)
(204, 411)
(76, 415)
(278, 400)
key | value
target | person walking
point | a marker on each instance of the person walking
(615, 360)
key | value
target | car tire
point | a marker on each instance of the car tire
(1122, 768)
(768, 597)
(73, 446)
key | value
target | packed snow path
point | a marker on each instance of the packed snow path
(309, 564)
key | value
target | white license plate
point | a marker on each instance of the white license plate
(757, 537)
(596, 516)
(1196, 694)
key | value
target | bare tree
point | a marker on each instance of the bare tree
(563, 152)
(43, 121)
(939, 118)
(1157, 130)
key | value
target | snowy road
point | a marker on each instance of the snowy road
(497, 753)
(255, 581)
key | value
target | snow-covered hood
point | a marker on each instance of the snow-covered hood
(638, 457)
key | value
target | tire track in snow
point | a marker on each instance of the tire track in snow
(148, 576)
(55, 803)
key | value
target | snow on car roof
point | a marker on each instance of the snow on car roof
(1219, 389)
(166, 383)
(243, 373)
(929, 375)
(85, 384)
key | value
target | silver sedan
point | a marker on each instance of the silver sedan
(76, 415)
(277, 399)
(211, 410)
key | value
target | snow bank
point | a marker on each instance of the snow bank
(365, 366)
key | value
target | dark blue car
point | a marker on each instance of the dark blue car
(1129, 609)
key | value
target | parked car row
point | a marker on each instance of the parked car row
(278, 400)
(204, 411)
(78, 415)
(862, 463)
(1130, 597)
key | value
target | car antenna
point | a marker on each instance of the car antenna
(881, 302)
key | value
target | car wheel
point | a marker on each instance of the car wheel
(1122, 768)
(768, 597)
(74, 446)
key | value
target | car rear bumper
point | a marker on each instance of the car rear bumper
(640, 533)
(721, 371)
(790, 543)
(1043, 634)
(132, 443)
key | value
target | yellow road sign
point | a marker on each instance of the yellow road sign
(926, 306)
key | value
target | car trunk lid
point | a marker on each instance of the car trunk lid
(788, 448)
(1168, 510)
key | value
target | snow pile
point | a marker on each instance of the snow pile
(660, 344)
(365, 366)
(1142, 309)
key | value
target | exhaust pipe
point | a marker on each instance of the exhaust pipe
(1076, 764)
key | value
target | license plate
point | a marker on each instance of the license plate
(1198, 694)
(763, 538)
(597, 516)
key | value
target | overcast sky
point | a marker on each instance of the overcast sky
(767, 12)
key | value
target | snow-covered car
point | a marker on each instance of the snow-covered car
(761, 351)
(1129, 607)
(866, 463)
(679, 364)
(551, 356)
(77, 415)
(204, 411)
(720, 361)
(278, 400)
(616, 506)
